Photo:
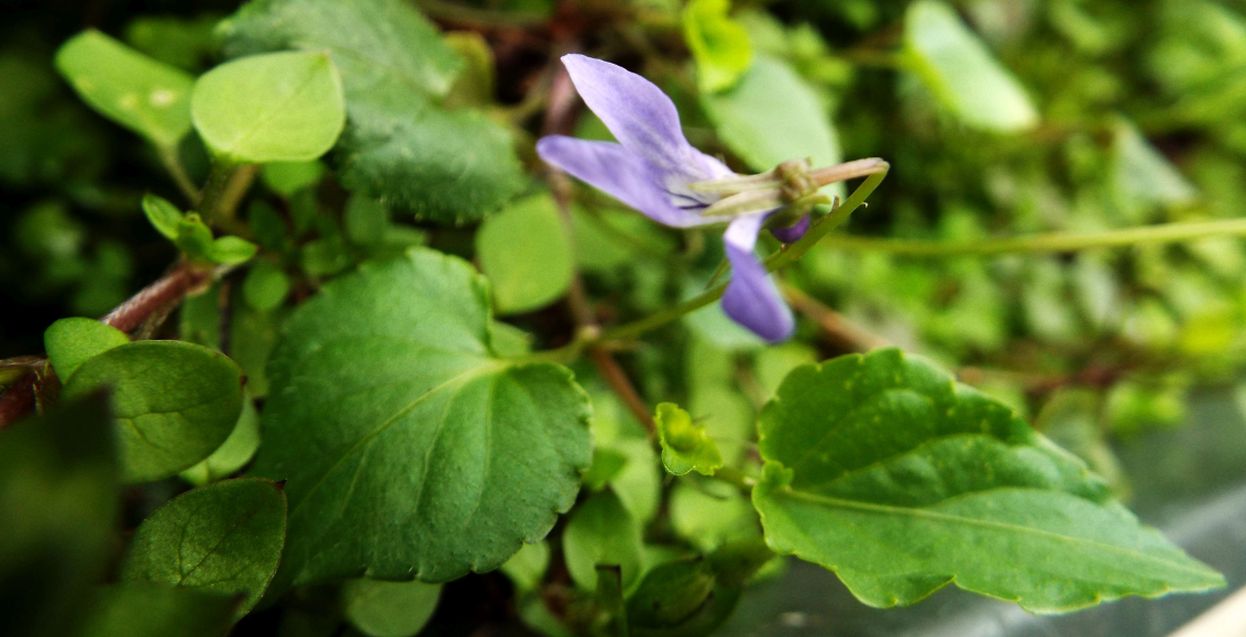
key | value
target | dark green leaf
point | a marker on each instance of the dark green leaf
(224, 538)
(153, 610)
(266, 108)
(400, 432)
(174, 403)
(144, 95)
(71, 341)
(233, 454)
(883, 469)
(58, 481)
(389, 609)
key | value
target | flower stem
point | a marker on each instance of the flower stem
(1050, 242)
(832, 220)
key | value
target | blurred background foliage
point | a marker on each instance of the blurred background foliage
(999, 117)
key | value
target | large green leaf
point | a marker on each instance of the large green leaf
(410, 449)
(764, 131)
(274, 107)
(401, 145)
(883, 469)
(174, 403)
(58, 481)
(146, 96)
(225, 538)
(958, 69)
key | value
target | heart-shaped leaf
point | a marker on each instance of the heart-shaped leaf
(411, 449)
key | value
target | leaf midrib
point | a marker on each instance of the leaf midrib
(948, 518)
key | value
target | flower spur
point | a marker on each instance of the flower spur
(655, 170)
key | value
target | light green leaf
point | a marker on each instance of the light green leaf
(230, 250)
(71, 341)
(373, 42)
(600, 531)
(265, 287)
(273, 107)
(445, 166)
(958, 69)
(289, 177)
(764, 131)
(528, 566)
(153, 610)
(163, 215)
(58, 500)
(1141, 176)
(146, 96)
(174, 403)
(884, 470)
(525, 252)
(399, 430)
(720, 46)
(686, 446)
(389, 609)
(233, 454)
(223, 538)
(710, 513)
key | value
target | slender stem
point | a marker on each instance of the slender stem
(226, 185)
(165, 293)
(839, 329)
(173, 164)
(832, 220)
(1050, 242)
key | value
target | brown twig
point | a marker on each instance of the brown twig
(838, 329)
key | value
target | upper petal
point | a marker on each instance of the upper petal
(641, 117)
(751, 298)
(620, 173)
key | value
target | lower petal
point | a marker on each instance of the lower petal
(752, 299)
(614, 170)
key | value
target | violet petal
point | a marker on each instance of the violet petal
(613, 169)
(641, 117)
(751, 298)
(792, 233)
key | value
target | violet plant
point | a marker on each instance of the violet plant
(394, 352)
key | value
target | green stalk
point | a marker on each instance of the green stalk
(1045, 243)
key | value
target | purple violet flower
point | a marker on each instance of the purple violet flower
(655, 170)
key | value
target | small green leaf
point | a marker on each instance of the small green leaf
(230, 250)
(289, 177)
(389, 609)
(174, 403)
(162, 215)
(525, 252)
(224, 538)
(720, 46)
(1141, 176)
(884, 470)
(711, 513)
(528, 566)
(960, 72)
(58, 500)
(153, 610)
(686, 446)
(146, 96)
(601, 532)
(233, 454)
(399, 430)
(273, 107)
(265, 286)
(765, 132)
(71, 341)
(194, 237)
